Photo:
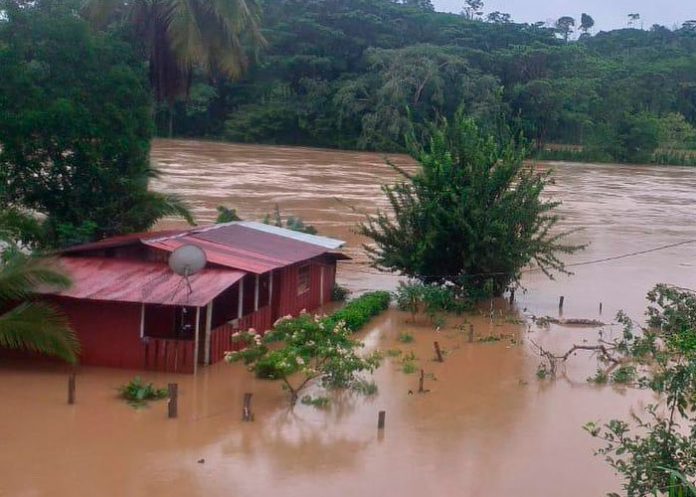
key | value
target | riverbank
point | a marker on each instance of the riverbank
(576, 153)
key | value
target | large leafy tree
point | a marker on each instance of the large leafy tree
(472, 216)
(32, 325)
(179, 36)
(75, 127)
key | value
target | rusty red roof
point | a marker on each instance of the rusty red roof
(241, 247)
(126, 280)
(118, 241)
(244, 246)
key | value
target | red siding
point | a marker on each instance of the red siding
(172, 356)
(289, 302)
(221, 337)
(109, 332)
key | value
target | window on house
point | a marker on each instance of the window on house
(303, 280)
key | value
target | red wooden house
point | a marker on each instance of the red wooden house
(131, 311)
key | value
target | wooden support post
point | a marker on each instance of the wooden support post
(600, 308)
(71, 388)
(270, 290)
(438, 352)
(196, 344)
(561, 302)
(173, 403)
(246, 411)
(471, 333)
(381, 420)
(240, 295)
(208, 331)
(256, 294)
(512, 296)
(421, 386)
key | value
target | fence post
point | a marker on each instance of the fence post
(438, 352)
(471, 333)
(381, 420)
(71, 388)
(421, 387)
(561, 301)
(173, 403)
(246, 411)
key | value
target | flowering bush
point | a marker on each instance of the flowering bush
(303, 349)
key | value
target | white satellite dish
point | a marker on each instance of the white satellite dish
(187, 260)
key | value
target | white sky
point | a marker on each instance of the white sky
(608, 14)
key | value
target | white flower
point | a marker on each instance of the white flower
(252, 331)
(299, 361)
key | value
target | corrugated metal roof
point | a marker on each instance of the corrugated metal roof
(118, 241)
(125, 280)
(320, 241)
(240, 247)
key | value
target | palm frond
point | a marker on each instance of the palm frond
(22, 275)
(38, 327)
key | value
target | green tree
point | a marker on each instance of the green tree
(32, 325)
(473, 9)
(75, 127)
(564, 26)
(180, 35)
(586, 23)
(473, 216)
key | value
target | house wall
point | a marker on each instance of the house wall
(109, 332)
(289, 301)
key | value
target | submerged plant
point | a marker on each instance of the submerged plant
(138, 393)
(301, 350)
(406, 338)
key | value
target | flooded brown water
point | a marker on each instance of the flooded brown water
(487, 426)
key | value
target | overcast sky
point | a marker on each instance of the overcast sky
(608, 14)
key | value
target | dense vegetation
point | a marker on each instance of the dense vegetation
(472, 217)
(364, 73)
(75, 130)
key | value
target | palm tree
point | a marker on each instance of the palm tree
(32, 325)
(180, 35)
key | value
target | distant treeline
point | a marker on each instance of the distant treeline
(363, 74)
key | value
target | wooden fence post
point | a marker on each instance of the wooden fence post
(471, 333)
(173, 403)
(71, 388)
(600, 308)
(561, 301)
(381, 420)
(512, 296)
(438, 352)
(246, 411)
(421, 387)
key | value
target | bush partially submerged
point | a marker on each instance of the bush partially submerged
(358, 312)
(433, 300)
(304, 349)
(138, 393)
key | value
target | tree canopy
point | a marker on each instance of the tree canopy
(472, 217)
(356, 73)
(75, 128)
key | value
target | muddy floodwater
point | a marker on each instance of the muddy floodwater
(487, 426)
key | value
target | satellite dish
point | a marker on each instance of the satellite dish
(187, 260)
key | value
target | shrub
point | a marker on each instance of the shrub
(339, 293)
(310, 349)
(137, 393)
(406, 338)
(358, 312)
